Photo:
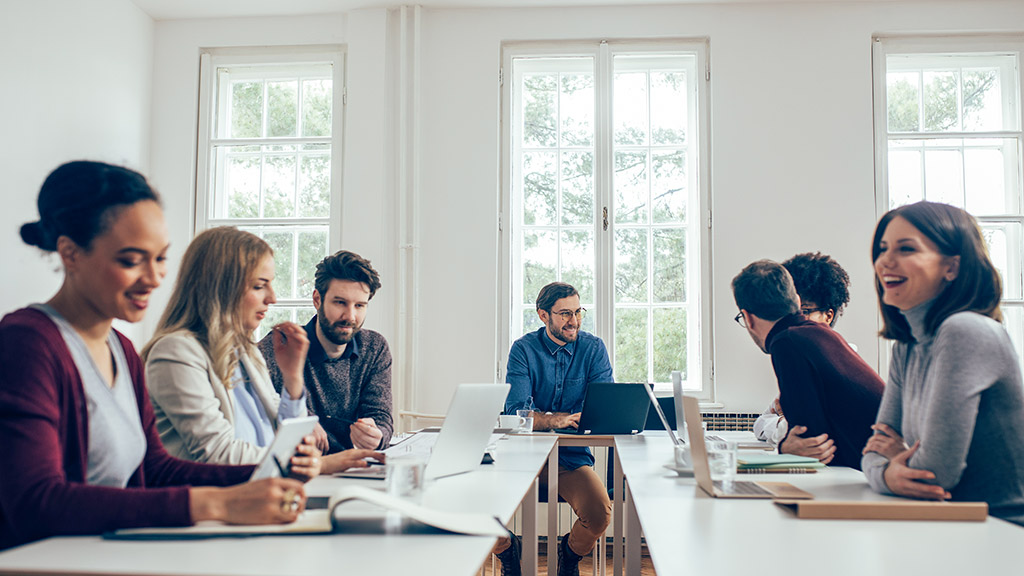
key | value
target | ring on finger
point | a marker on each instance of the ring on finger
(290, 502)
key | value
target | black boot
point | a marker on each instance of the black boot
(568, 561)
(510, 557)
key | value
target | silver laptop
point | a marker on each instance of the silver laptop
(739, 488)
(460, 445)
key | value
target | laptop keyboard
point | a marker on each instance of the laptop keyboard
(740, 487)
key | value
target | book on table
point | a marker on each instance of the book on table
(889, 509)
(325, 521)
(783, 463)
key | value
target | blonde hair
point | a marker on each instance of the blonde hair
(218, 268)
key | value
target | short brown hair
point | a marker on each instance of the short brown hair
(345, 265)
(977, 286)
(765, 289)
(553, 293)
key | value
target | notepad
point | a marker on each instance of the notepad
(887, 510)
(322, 521)
(779, 462)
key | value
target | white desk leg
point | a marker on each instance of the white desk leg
(530, 506)
(617, 518)
(632, 536)
(553, 510)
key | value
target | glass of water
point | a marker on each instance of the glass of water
(722, 462)
(403, 476)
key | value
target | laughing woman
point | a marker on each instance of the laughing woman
(951, 423)
(80, 452)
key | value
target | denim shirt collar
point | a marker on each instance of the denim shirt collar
(552, 347)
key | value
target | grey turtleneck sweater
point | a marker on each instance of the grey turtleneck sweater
(959, 391)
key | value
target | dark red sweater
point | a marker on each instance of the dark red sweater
(44, 445)
(824, 385)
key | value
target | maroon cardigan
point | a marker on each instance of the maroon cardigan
(44, 444)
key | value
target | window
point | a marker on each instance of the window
(948, 123)
(604, 189)
(269, 161)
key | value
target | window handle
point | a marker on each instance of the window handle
(604, 211)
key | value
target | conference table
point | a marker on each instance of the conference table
(689, 532)
(366, 548)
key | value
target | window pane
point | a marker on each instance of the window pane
(905, 175)
(576, 109)
(282, 108)
(315, 182)
(903, 93)
(282, 244)
(1013, 320)
(578, 261)
(279, 185)
(241, 181)
(540, 94)
(539, 185)
(631, 187)
(630, 265)
(940, 101)
(246, 110)
(316, 107)
(983, 106)
(944, 177)
(577, 187)
(540, 262)
(668, 108)
(1004, 241)
(312, 249)
(669, 278)
(669, 342)
(629, 98)
(531, 321)
(991, 181)
(668, 187)
(630, 344)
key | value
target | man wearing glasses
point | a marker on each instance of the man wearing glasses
(549, 371)
(828, 393)
(824, 290)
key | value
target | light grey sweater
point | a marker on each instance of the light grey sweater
(959, 391)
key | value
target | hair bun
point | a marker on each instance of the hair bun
(32, 233)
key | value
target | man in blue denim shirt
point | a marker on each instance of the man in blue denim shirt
(553, 366)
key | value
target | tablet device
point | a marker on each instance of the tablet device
(289, 436)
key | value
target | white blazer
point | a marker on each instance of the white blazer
(195, 412)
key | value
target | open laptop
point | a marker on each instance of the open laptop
(739, 488)
(460, 445)
(612, 408)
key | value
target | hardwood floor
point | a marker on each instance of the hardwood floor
(586, 565)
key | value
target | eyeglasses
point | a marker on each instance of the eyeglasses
(567, 314)
(809, 311)
(740, 319)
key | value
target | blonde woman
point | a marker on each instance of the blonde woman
(209, 385)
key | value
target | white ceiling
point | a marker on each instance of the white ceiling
(188, 9)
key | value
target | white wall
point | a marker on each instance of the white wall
(792, 161)
(76, 85)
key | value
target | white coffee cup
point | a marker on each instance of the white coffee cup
(511, 421)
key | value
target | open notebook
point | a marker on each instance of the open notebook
(323, 521)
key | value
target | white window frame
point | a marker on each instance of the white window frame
(699, 280)
(882, 48)
(210, 61)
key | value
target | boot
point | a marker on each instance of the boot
(510, 557)
(568, 561)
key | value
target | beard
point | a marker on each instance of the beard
(333, 330)
(561, 335)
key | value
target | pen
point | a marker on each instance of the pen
(280, 467)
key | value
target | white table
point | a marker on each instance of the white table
(497, 489)
(689, 532)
